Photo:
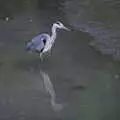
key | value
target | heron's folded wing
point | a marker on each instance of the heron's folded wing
(38, 42)
(38, 39)
(40, 47)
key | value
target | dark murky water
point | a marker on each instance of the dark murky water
(100, 19)
(86, 82)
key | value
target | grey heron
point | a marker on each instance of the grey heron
(44, 42)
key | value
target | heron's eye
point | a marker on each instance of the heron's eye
(58, 23)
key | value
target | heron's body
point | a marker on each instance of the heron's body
(44, 42)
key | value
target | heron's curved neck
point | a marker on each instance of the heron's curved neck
(53, 36)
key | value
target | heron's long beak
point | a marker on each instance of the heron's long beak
(66, 28)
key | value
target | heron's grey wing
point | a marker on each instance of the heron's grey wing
(39, 48)
(38, 42)
(34, 46)
(38, 39)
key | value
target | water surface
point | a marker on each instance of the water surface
(85, 81)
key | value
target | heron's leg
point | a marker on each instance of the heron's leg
(41, 56)
(50, 52)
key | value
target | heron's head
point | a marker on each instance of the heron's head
(59, 25)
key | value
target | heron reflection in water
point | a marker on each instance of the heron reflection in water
(50, 90)
(44, 42)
